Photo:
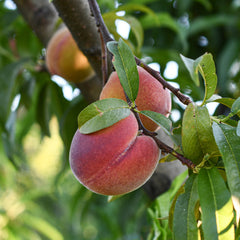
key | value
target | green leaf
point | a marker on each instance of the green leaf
(228, 143)
(216, 205)
(206, 67)
(197, 135)
(68, 123)
(184, 220)
(236, 106)
(208, 71)
(160, 119)
(8, 86)
(102, 114)
(126, 67)
(43, 110)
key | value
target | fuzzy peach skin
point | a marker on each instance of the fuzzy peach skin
(115, 160)
(63, 58)
(151, 95)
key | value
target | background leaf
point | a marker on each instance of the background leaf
(216, 205)
(102, 114)
(126, 68)
(8, 86)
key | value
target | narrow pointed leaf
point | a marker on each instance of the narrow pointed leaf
(228, 143)
(216, 206)
(102, 114)
(184, 221)
(126, 67)
(160, 119)
(8, 86)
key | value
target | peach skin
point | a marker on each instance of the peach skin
(114, 160)
(151, 95)
(63, 58)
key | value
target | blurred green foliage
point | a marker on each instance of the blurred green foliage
(38, 203)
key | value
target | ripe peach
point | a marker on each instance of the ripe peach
(114, 160)
(63, 58)
(151, 95)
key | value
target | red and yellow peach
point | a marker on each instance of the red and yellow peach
(63, 58)
(115, 160)
(151, 95)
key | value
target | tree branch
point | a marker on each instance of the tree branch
(77, 16)
(42, 17)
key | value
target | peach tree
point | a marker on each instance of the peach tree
(111, 131)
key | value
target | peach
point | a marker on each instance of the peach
(63, 58)
(151, 95)
(114, 160)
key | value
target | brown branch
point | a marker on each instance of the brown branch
(162, 145)
(40, 15)
(180, 157)
(99, 21)
(43, 17)
(184, 99)
(77, 16)
(104, 61)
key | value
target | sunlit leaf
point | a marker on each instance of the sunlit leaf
(102, 114)
(126, 68)
(216, 205)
